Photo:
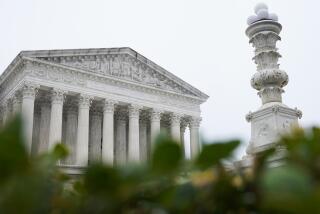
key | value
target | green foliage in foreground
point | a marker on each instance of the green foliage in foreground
(168, 184)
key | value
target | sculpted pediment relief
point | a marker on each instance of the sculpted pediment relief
(122, 66)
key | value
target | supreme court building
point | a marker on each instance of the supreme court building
(104, 104)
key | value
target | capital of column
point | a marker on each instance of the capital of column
(155, 115)
(175, 118)
(85, 101)
(29, 90)
(109, 106)
(195, 122)
(134, 111)
(57, 96)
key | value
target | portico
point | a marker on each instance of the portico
(103, 104)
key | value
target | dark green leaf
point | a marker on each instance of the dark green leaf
(213, 154)
(167, 157)
(60, 151)
(13, 155)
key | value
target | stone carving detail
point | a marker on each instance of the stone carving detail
(84, 101)
(144, 116)
(116, 65)
(29, 90)
(249, 116)
(263, 130)
(134, 110)
(52, 73)
(275, 109)
(286, 125)
(263, 42)
(271, 94)
(175, 118)
(109, 106)
(195, 122)
(184, 123)
(269, 79)
(273, 118)
(57, 96)
(156, 115)
(264, 78)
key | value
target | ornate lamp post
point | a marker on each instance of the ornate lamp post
(273, 118)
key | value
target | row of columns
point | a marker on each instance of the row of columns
(78, 126)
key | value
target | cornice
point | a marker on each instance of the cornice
(275, 109)
(17, 61)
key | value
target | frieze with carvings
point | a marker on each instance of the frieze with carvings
(120, 66)
(71, 77)
(58, 75)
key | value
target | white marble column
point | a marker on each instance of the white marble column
(27, 110)
(55, 131)
(95, 135)
(71, 132)
(143, 140)
(175, 126)
(45, 114)
(133, 143)
(108, 133)
(121, 139)
(154, 126)
(83, 131)
(194, 136)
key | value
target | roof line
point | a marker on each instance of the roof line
(102, 51)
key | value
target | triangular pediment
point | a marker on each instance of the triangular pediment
(124, 64)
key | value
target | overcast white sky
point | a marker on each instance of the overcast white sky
(201, 41)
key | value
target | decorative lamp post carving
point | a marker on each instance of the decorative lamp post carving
(267, 124)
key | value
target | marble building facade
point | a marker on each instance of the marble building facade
(104, 104)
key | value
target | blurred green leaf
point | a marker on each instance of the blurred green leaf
(287, 178)
(167, 157)
(213, 154)
(167, 184)
(13, 155)
(286, 188)
(101, 179)
(60, 151)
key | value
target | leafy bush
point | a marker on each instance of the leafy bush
(167, 184)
